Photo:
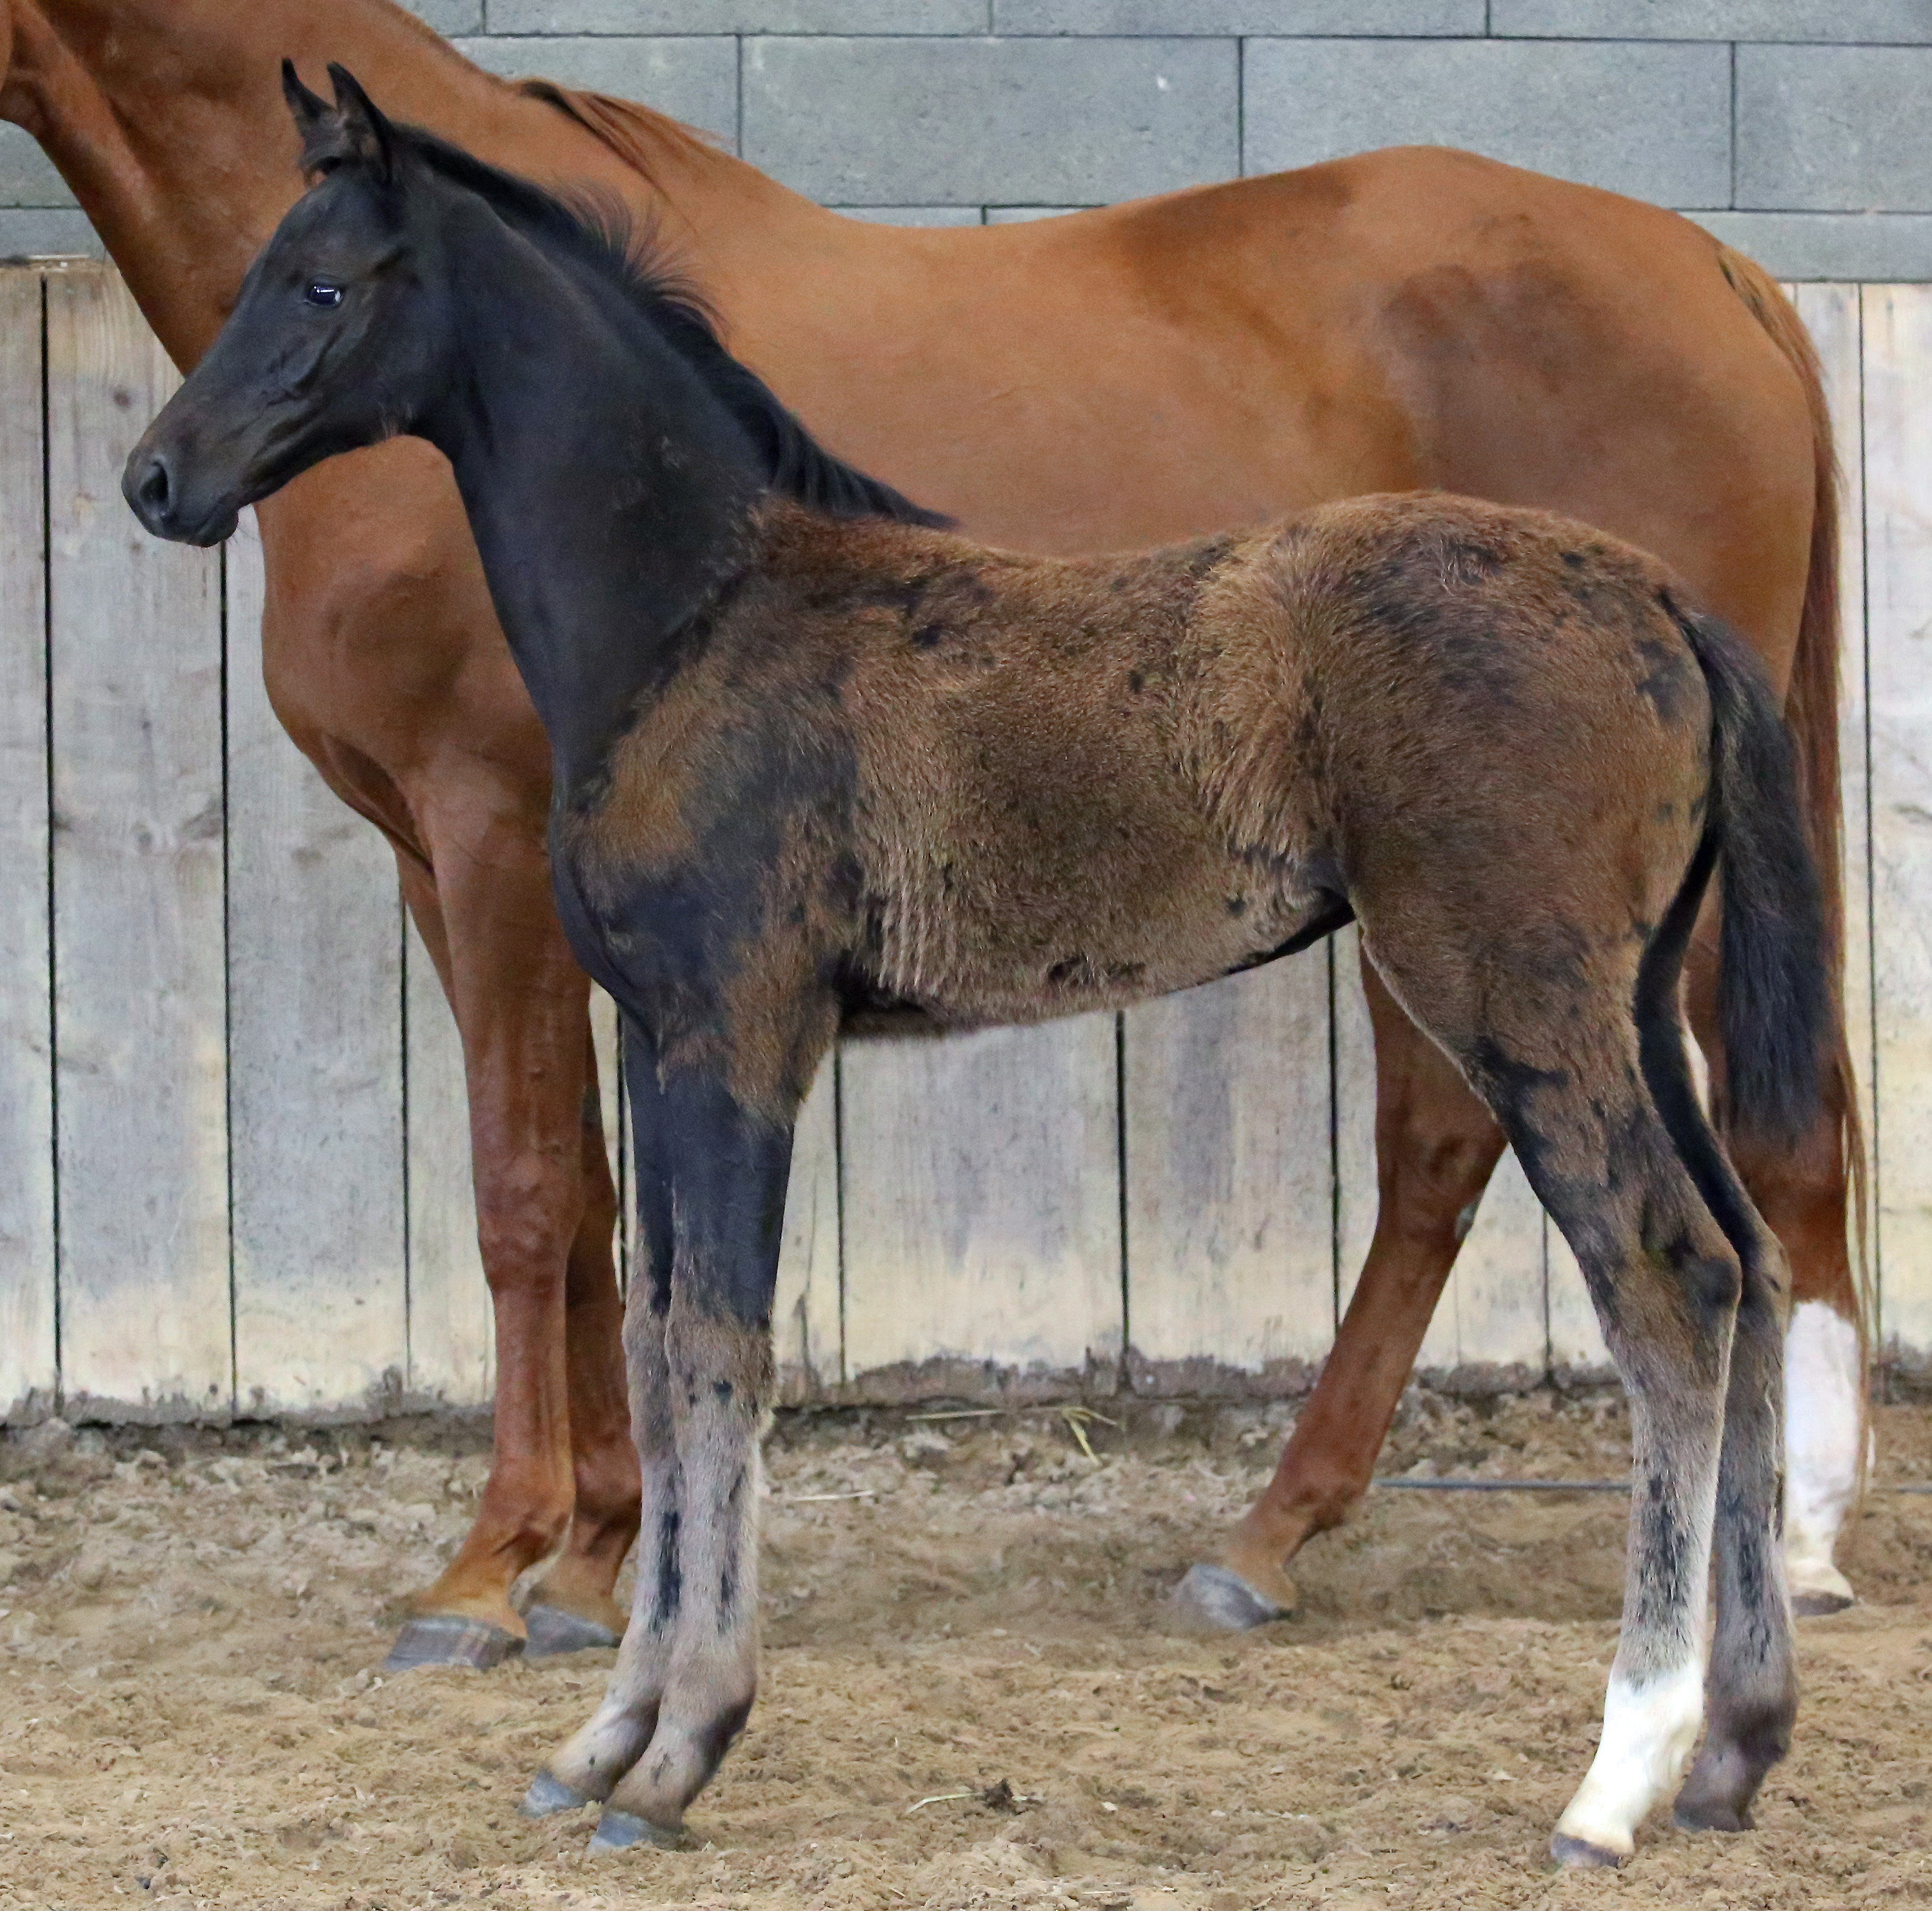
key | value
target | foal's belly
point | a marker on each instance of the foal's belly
(1008, 950)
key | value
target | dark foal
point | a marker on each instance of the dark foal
(815, 760)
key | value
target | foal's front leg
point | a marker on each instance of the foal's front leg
(712, 1181)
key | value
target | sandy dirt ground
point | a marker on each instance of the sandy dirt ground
(969, 1699)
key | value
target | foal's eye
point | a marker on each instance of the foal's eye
(321, 292)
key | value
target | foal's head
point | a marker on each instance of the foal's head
(353, 326)
(333, 342)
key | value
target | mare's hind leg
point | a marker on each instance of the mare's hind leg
(1435, 1148)
(1803, 1193)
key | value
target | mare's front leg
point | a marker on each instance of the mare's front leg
(562, 1471)
(711, 1179)
(1435, 1147)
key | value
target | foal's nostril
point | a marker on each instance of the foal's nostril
(155, 492)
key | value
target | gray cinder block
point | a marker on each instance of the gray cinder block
(1651, 121)
(1714, 19)
(1410, 18)
(1889, 247)
(737, 16)
(693, 80)
(1828, 129)
(913, 215)
(448, 16)
(42, 232)
(27, 175)
(975, 121)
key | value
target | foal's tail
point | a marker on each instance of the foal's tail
(1775, 1003)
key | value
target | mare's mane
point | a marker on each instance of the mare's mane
(597, 232)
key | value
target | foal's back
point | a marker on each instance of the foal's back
(1042, 786)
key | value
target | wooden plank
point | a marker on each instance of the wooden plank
(452, 1332)
(27, 1375)
(1490, 1327)
(1231, 1262)
(1832, 313)
(1897, 372)
(980, 1188)
(806, 1312)
(135, 653)
(1355, 1193)
(604, 1039)
(315, 1059)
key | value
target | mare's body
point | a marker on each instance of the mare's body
(1219, 357)
(811, 754)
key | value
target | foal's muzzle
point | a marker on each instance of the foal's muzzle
(153, 495)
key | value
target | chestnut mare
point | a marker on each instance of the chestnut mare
(1400, 320)
(815, 759)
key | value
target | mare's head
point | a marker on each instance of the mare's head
(336, 341)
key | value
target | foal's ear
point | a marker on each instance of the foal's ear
(364, 133)
(309, 109)
(317, 122)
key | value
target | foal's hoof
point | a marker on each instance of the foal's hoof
(616, 1831)
(1709, 1814)
(548, 1795)
(444, 1639)
(1817, 1605)
(1216, 1597)
(553, 1631)
(1580, 1855)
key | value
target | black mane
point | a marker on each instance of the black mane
(597, 231)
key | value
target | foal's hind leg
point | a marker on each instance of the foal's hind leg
(1558, 1062)
(1665, 1279)
(1753, 1689)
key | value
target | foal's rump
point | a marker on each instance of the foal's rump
(1499, 712)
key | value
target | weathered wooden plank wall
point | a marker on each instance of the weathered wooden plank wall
(231, 1112)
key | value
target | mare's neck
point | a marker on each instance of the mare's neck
(166, 119)
(609, 493)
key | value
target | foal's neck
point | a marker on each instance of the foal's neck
(609, 492)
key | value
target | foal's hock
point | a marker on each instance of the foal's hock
(817, 760)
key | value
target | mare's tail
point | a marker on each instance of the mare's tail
(1811, 716)
(1776, 1002)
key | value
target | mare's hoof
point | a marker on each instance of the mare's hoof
(553, 1631)
(1580, 1855)
(617, 1831)
(547, 1795)
(444, 1639)
(1216, 1597)
(1817, 1605)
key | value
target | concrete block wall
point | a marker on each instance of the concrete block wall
(1797, 129)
